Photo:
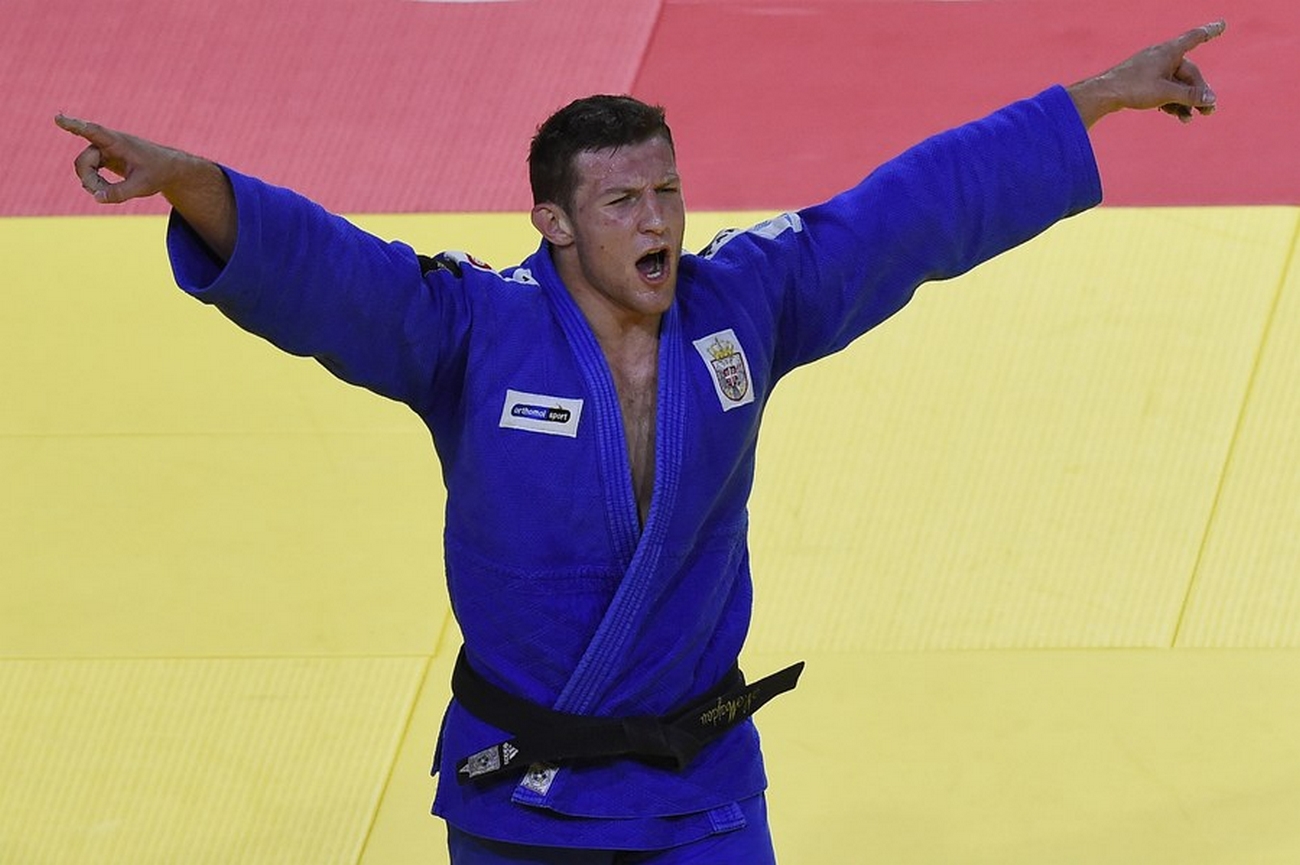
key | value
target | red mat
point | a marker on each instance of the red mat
(398, 106)
(813, 93)
(366, 105)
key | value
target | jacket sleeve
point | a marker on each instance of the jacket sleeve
(317, 286)
(833, 271)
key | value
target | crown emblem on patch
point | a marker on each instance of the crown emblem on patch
(725, 358)
(721, 349)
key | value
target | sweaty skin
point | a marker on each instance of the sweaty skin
(617, 246)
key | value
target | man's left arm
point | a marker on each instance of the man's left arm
(1159, 77)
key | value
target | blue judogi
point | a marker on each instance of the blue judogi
(562, 597)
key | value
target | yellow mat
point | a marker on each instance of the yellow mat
(1029, 456)
(1037, 538)
(197, 761)
(1124, 757)
(1247, 588)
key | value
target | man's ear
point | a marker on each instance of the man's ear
(553, 223)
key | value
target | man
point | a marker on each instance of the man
(597, 707)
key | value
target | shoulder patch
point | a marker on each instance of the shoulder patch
(451, 261)
(520, 275)
(769, 229)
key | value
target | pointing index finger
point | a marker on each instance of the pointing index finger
(89, 131)
(1200, 35)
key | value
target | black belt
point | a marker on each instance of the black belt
(545, 736)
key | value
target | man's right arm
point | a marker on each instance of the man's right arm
(195, 187)
(307, 280)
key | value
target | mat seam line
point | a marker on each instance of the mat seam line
(645, 48)
(447, 620)
(396, 758)
(439, 642)
(1229, 457)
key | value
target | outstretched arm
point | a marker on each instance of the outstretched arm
(197, 188)
(1159, 77)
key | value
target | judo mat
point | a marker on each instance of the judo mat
(1037, 536)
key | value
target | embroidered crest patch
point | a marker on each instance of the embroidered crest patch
(725, 359)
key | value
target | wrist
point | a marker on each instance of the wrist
(190, 179)
(1094, 98)
(201, 194)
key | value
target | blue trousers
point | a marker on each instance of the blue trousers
(750, 845)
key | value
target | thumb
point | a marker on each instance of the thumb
(136, 184)
(1186, 90)
(1186, 95)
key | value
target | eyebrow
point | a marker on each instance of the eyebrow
(623, 190)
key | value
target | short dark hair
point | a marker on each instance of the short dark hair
(600, 122)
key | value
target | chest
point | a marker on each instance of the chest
(557, 452)
(636, 384)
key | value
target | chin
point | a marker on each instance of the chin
(663, 294)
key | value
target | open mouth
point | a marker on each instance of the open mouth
(654, 265)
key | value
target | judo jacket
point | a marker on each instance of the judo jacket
(562, 597)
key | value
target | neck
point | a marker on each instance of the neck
(620, 331)
(630, 344)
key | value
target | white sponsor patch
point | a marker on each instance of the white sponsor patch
(725, 360)
(535, 412)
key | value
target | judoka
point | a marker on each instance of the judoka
(595, 411)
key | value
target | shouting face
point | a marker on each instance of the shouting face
(618, 242)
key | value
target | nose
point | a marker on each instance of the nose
(652, 214)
